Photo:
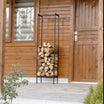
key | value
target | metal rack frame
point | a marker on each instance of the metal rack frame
(42, 17)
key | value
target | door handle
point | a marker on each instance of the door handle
(75, 35)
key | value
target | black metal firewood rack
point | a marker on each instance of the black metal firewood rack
(40, 30)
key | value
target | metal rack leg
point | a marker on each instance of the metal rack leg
(41, 79)
(36, 80)
(57, 80)
(53, 80)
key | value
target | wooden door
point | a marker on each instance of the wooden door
(86, 45)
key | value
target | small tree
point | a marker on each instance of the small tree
(12, 81)
(95, 96)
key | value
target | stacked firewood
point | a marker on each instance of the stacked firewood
(46, 64)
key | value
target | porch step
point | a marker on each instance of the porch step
(88, 83)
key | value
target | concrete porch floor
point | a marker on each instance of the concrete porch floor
(72, 93)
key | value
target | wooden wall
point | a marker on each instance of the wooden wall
(65, 10)
(79, 60)
(24, 53)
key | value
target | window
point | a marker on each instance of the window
(7, 22)
(24, 20)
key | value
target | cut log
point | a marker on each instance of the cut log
(49, 45)
(43, 64)
(51, 74)
(48, 63)
(55, 66)
(47, 54)
(45, 44)
(46, 68)
(41, 68)
(39, 74)
(42, 56)
(47, 74)
(40, 53)
(46, 60)
(50, 71)
(42, 49)
(43, 74)
(49, 59)
(51, 67)
(55, 73)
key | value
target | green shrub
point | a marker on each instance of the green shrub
(11, 82)
(95, 96)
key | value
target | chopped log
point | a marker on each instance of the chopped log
(46, 60)
(47, 54)
(49, 59)
(39, 74)
(47, 74)
(50, 71)
(55, 73)
(42, 56)
(43, 64)
(46, 68)
(49, 45)
(51, 74)
(43, 74)
(41, 68)
(51, 67)
(48, 63)
(40, 53)
(45, 44)
(55, 66)
(42, 49)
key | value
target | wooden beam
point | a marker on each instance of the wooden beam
(2, 35)
(100, 42)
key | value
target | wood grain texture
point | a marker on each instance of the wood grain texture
(2, 36)
(22, 52)
(25, 52)
(100, 42)
(86, 46)
(85, 55)
(65, 10)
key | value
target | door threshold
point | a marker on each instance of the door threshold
(77, 82)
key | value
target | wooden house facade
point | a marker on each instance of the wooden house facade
(81, 37)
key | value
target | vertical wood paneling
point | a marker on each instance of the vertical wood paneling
(65, 10)
(87, 28)
(100, 41)
(24, 53)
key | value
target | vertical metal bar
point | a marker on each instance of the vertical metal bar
(37, 50)
(103, 37)
(41, 29)
(41, 34)
(58, 46)
(41, 79)
(54, 48)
